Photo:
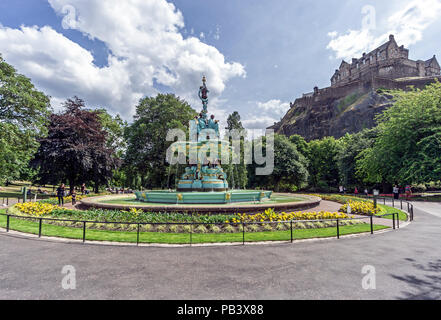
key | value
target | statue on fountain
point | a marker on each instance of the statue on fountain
(207, 175)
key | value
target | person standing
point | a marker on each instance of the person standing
(408, 190)
(340, 188)
(60, 194)
(356, 191)
(83, 188)
(396, 192)
(366, 192)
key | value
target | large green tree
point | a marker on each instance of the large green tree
(408, 146)
(351, 146)
(23, 116)
(323, 169)
(290, 166)
(146, 137)
(237, 173)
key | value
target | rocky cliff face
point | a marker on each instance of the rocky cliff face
(333, 116)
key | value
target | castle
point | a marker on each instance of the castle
(387, 61)
(326, 112)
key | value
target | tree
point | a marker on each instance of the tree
(146, 137)
(115, 127)
(233, 122)
(290, 166)
(237, 173)
(408, 146)
(75, 149)
(323, 169)
(351, 146)
(23, 116)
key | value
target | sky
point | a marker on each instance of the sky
(257, 55)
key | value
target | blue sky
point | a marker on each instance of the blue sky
(258, 55)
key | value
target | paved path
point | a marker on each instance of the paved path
(407, 264)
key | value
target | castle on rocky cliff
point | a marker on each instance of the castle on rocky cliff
(388, 61)
(326, 111)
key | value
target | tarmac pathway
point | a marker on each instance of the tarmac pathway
(407, 265)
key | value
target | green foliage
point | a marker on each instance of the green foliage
(75, 149)
(323, 168)
(290, 166)
(408, 145)
(347, 101)
(350, 147)
(23, 116)
(146, 137)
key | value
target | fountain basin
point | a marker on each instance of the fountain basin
(202, 197)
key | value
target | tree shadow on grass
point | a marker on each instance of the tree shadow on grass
(426, 286)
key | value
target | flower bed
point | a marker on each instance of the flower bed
(176, 222)
(360, 207)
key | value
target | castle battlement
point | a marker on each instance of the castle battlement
(387, 61)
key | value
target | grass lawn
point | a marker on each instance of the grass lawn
(178, 238)
(387, 210)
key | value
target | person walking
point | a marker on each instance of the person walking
(366, 192)
(74, 197)
(396, 192)
(356, 191)
(83, 188)
(60, 194)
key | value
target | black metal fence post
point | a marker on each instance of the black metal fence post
(401, 201)
(338, 230)
(39, 227)
(243, 233)
(191, 234)
(292, 238)
(137, 236)
(393, 220)
(372, 224)
(84, 231)
(398, 220)
(7, 223)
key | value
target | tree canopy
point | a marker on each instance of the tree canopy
(75, 149)
(408, 146)
(23, 116)
(146, 137)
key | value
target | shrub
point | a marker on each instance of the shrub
(252, 228)
(215, 229)
(201, 229)
(174, 229)
(319, 225)
(161, 228)
(186, 228)
(299, 225)
(146, 227)
(309, 225)
(267, 227)
(229, 229)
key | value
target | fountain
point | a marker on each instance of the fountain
(204, 180)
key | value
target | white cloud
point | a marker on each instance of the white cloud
(407, 24)
(271, 111)
(146, 44)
